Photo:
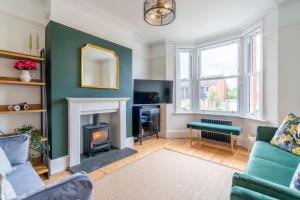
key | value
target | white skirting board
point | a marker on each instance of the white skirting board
(130, 142)
(58, 164)
(62, 163)
(173, 134)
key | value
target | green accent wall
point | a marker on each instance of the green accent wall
(63, 59)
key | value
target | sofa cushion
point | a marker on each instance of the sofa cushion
(272, 153)
(271, 171)
(6, 190)
(77, 186)
(16, 148)
(287, 137)
(264, 187)
(240, 193)
(5, 166)
(295, 183)
(24, 179)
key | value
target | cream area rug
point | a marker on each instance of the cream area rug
(166, 175)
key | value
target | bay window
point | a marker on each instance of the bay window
(210, 79)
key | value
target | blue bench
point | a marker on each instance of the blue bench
(231, 131)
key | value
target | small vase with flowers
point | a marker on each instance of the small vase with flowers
(25, 67)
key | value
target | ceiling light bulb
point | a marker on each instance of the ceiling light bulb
(153, 16)
(167, 6)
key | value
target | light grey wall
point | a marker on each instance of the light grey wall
(289, 60)
(157, 62)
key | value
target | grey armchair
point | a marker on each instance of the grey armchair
(28, 185)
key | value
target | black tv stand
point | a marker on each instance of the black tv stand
(145, 121)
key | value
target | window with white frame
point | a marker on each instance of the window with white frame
(184, 80)
(253, 54)
(218, 77)
(210, 79)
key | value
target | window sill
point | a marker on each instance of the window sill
(183, 113)
(253, 118)
(223, 115)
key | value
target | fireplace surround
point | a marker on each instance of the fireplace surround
(85, 106)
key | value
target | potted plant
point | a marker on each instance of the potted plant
(25, 66)
(37, 146)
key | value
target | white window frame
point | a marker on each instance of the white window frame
(257, 29)
(195, 79)
(237, 76)
(243, 86)
(178, 80)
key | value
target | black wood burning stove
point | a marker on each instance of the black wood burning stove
(96, 136)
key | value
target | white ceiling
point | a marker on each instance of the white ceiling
(195, 19)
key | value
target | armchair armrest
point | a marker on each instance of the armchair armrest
(265, 187)
(265, 133)
(16, 148)
(239, 193)
(77, 186)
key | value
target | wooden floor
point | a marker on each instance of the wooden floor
(218, 153)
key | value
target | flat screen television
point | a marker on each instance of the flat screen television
(152, 92)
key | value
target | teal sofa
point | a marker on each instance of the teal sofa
(268, 173)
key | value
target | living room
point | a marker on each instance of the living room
(149, 99)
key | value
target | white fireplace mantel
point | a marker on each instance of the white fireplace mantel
(85, 106)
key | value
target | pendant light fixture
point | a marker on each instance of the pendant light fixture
(159, 12)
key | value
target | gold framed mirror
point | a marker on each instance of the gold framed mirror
(99, 67)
